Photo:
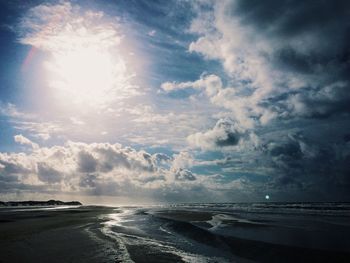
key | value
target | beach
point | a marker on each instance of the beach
(52, 235)
(177, 233)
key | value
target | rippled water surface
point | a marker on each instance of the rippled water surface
(261, 232)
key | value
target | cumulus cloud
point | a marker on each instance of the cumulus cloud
(25, 141)
(294, 56)
(227, 97)
(182, 160)
(69, 162)
(226, 133)
(184, 175)
(285, 68)
(160, 158)
(97, 169)
(275, 80)
(48, 174)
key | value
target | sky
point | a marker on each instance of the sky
(135, 101)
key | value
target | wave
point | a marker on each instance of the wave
(253, 249)
(226, 233)
(306, 208)
(137, 244)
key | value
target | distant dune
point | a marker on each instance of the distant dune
(38, 203)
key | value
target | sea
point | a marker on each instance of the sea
(229, 232)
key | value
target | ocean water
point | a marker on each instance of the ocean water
(237, 232)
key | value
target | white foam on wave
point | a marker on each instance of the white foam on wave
(39, 208)
(219, 220)
(116, 219)
(123, 240)
(165, 231)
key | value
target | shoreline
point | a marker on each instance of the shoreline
(158, 234)
(55, 236)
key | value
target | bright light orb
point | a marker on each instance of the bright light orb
(86, 75)
(267, 197)
(85, 65)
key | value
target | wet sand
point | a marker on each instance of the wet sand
(63, 235)
(104, 234)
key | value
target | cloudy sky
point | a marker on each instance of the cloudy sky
(135, 101)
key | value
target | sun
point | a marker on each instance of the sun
(85, 64)
(86, 74)
(85, 56)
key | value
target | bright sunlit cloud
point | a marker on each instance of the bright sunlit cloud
(254, 102)
(85, 66)
(89, 75)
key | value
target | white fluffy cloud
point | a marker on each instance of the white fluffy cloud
(261, 73)
(70, 166)
(225, 134)
(241, 108)
(210, 83)
(25, 141)
(280, 65)
(99, 169)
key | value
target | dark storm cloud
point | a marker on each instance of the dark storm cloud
(308, 165)
(287, 64)
(298, 51)
(260, 89)
(310, 39)
(290, 159)
(292, 16)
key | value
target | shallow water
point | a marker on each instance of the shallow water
(261, 232)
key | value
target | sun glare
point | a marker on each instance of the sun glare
(87, 75)
(86, 64)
